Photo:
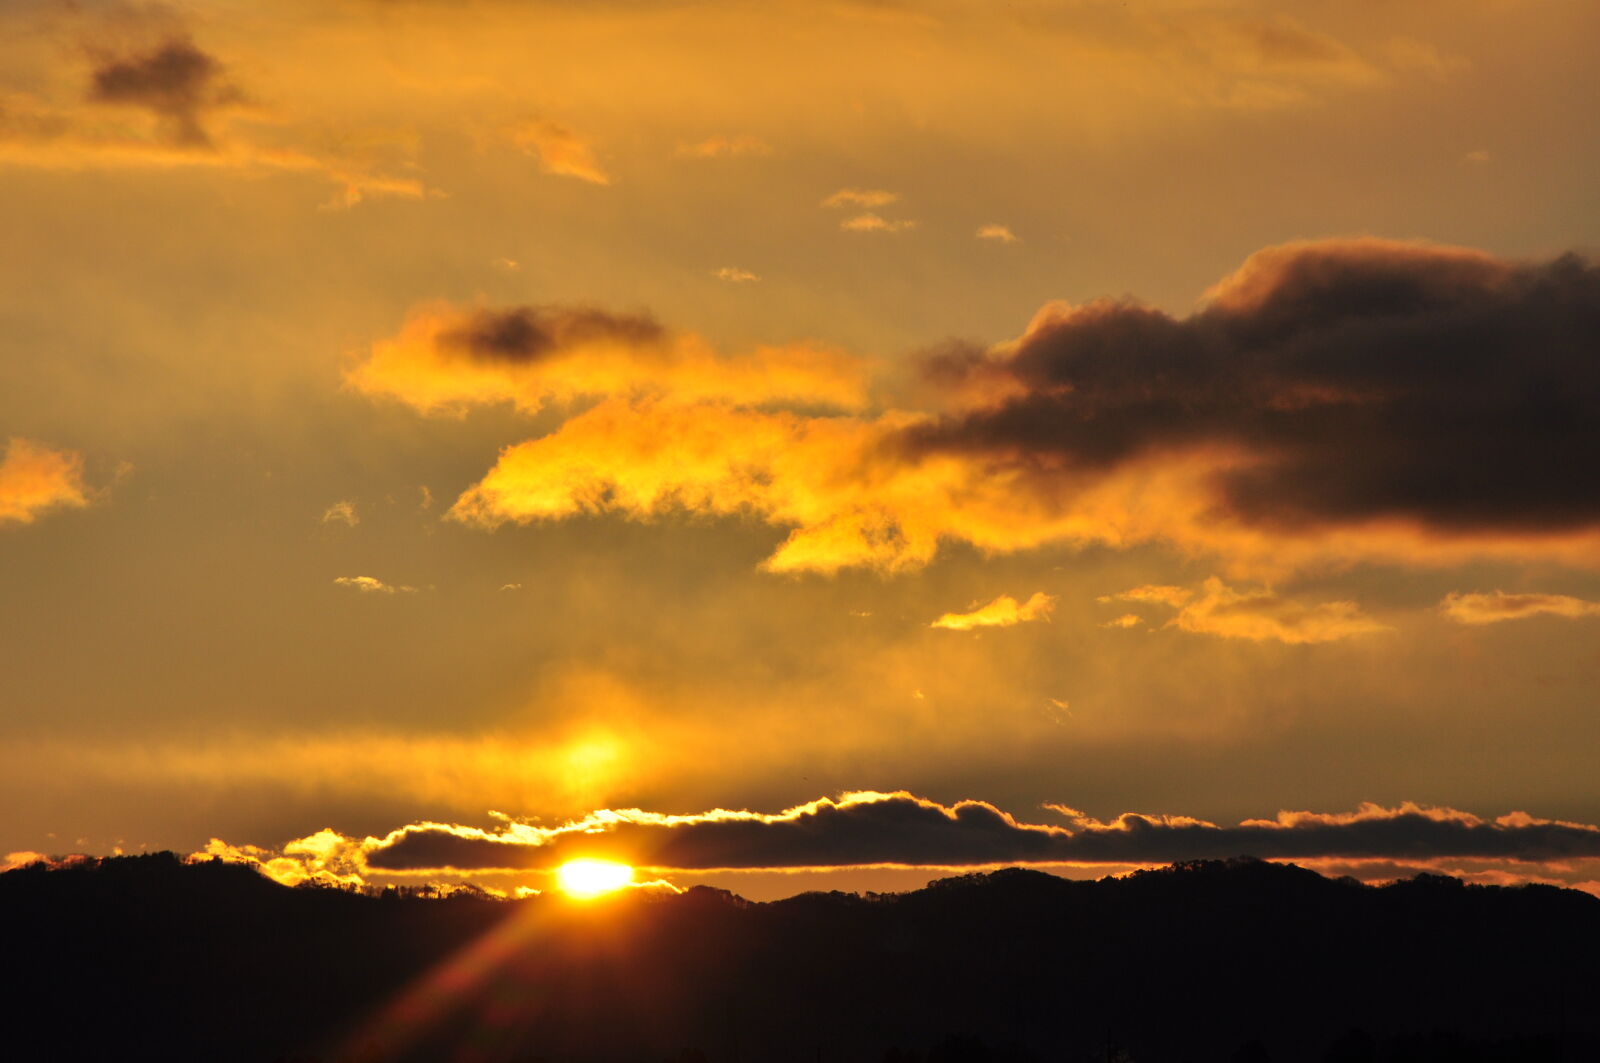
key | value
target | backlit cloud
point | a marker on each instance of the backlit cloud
(35, 479)
(866, 829)
(1325, 406)
(1497, 606)
(1004, 611)
(1000, 234)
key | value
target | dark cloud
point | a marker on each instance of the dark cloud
(176, 81)
(1360, 380)
(530, 333)
(903, 829)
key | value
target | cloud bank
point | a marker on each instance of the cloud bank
(866, 829)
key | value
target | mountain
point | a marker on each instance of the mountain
(149, 958)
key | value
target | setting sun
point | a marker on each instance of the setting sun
(590, 878)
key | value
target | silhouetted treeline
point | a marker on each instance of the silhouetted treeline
(146, 958)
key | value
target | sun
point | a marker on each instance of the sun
(590, 878)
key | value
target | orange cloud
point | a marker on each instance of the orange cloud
(1151, 593)
(447, 358)
(1251, 431)
(560, 151)
(1001, 234)
(35, 479)
(1499, 606)
(1004, 611)
(1220, 610)
(872, 223)
(371, 585)
(860, 197)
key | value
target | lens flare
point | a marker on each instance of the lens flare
(590, 878)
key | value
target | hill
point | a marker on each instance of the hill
(146, 957)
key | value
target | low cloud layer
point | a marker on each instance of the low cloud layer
(1498, 606)
(900, 829)
(35, 479)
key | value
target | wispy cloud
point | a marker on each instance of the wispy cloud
(560, 151)
(1000, 234)
(1004, 611)
(734, 275)
(342, 512)
(1498, 606)
(372, 585)
(873, 223)
(860, 197)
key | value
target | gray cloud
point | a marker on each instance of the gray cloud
(177, 81)
(1360, 380)
(860, 829)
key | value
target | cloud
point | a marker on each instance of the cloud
(734, 275)
(1004, 611)
(371, 585)
(1126, 620)
(867, 828)
(872, 223)
(35, 479)
(560, 151)
(1363, 397)
(341, 512)
(171, 106)
(1150, 593)
(1330, 403)
(1498, 606)
(1263, 616)
(998, 233)
(717, 147)
(447, 358)
(176, 81)
(860, 197)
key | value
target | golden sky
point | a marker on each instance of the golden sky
(435, 430)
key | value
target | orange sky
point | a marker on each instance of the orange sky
(494, 413)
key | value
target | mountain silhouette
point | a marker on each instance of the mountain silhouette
(150, 958)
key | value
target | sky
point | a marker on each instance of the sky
(795, 446)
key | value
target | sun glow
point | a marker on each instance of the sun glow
(590, 878)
